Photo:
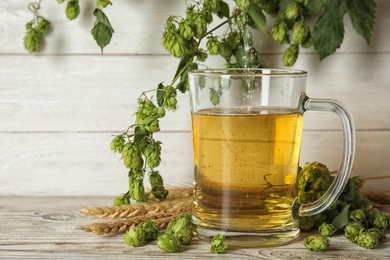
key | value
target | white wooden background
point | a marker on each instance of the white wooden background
(59, 108)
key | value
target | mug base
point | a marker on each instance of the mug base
(249, 239)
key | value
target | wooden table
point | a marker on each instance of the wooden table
(48, 228)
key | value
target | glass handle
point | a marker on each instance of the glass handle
(348, 153)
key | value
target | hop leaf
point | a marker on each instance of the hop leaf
(362, 14)
(328, 30)
(72, 9)
(102, 30)
(316, 243)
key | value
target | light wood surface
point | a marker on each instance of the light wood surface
(48, 228)
(59, 108)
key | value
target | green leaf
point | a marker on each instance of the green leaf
(362, 14)
(342, 218)
(102, 30)
(160, 94)
(313, 6)
(328, 31)
(258, 18)
(224, 10)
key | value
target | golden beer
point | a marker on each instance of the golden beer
(245, 170)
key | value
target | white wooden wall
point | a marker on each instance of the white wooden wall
(59, 108)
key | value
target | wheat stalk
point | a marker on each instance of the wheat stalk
(177, 199)
(123, 225)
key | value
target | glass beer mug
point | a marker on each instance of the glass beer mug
(247, 129)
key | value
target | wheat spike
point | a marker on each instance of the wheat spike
(123, 225)
(132, 210)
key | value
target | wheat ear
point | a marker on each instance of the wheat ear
(125, 211)
(123, 225)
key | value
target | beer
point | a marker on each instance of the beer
(246, 164)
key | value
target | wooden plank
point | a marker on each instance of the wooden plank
(82, 163)
(47, 228)
(99, 93)
(139, 25)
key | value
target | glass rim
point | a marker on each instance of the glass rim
(249, 72)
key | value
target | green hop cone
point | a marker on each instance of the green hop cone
(213, 45)
(135, 236)
(300, 32)
(160, 192)
(160, 112)
(380, 221)
(150, 228)
(199, 23)
(326, 229)
(234, 39)
(117, 144)
(60, 1)
(181, 228)
(307, 43)
(121, 200)
(316, 243)
(155, 179)
(293, 11)
(244, 5)
(358, 215)
(131, 156)
(367, 240)
(43, 25)
(173, 43)
(185, 30)
(33, 40)
(170, 101)
(136, 189)
(279, 32)
(153, 154)
(168, 243)
(72, 9)
(290, 56)
(352, 230)
(102, 3)
(201, 55)
(379, 233)
(218, 245)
